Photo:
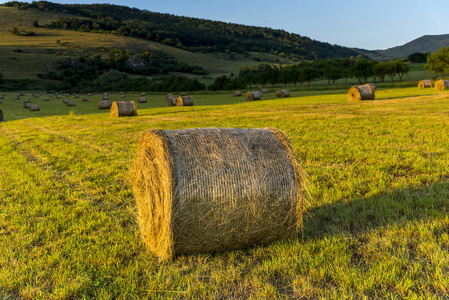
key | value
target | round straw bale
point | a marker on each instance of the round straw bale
(236, 93)
(123, 109)
(26, 100)
(143, 94)
(264, 90)
(65, 101)
(46, 99)
(105, 96)
(34, 107)
(426, 83)
(85, 99)
(71, 103)
(58, 96)
(26, 105)
(441, 85)
(143, 100)
(282, 93)
(76, 95)
(250, 96)
(213, 189)
(2, 118)
(184, 101)
(122, 96)
(105, 104)
(171, 101)
(372, 84)
(361, 92)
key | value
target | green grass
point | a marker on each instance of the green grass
(376, 225)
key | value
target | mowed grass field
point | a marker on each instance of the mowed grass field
(376, 224)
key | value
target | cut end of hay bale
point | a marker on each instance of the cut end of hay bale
(426, 83)
(251, 96)
(123, 109)
(441, 85)
(184, 101)
(361, 92)
(247, 182)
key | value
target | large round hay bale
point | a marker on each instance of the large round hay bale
(2, 118)
(213, 189)
(236, 93)
(426, 83)
(71, 103)
(251, 96)
(282, 93)
(184, 101)
(361, 92)
(441, 85)
(34, 107)
(105, 104)
(123, 109)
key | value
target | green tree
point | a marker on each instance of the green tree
(438, 62)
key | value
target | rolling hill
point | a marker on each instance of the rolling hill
(424, 44)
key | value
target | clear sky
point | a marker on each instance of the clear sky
(374, 24)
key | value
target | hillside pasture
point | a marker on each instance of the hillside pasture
(376, 224)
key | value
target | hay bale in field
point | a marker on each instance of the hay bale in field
(361, 92)
(122, 96)
(143, 100)
(85, 99)
(26, 100)
(371, 84)
(143, 94)
(123, 109)
(105, 104)
(184, 101)
(46, 99)
(441, 85)
(26, 105)
(213, 189)
(71, 103)
(58, 96)
(50, 95)
(426, 83)
(2, 118)
(34, 107)
(65, 101)
(236, 93)
(105, 96)
(251, 96)
(282, 93)
(16, 97)
(171, 100)
(76, 95)
(264, 90)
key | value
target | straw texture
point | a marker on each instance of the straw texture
(426, 83)
(123, 109)
(251, 96)
(213, 189)
(441, 85)
(184, 101)
(282, 93)
(361, 92)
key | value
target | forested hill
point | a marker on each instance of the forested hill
(424, 44)
(193, 34)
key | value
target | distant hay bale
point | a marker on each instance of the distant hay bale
(214, 189)
(2, 118)
(26, 105)
(122, 96)
(58, 96)
(143, 94)
(65, 101)
(16, 97)
(26, 100)
(426, 83)
(76, 95)
(34, 107)
(71, 103)
(361, 92)
(46, 99)
(105, 104)
(236, 93)
(441, 85)
(372, 84)
(282, 93)
(184, 101)
(171, 101)
(251, 96)
(264, 90)
(143, 100)
(105, 96)
(123, 109)
(85, 99)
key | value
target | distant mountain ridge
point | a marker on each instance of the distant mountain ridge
(424, 44)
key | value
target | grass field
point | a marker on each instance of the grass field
(376, 225)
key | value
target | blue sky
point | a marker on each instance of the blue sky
(375, 24)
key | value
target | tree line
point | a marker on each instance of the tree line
(193, 34)
(305, 72)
